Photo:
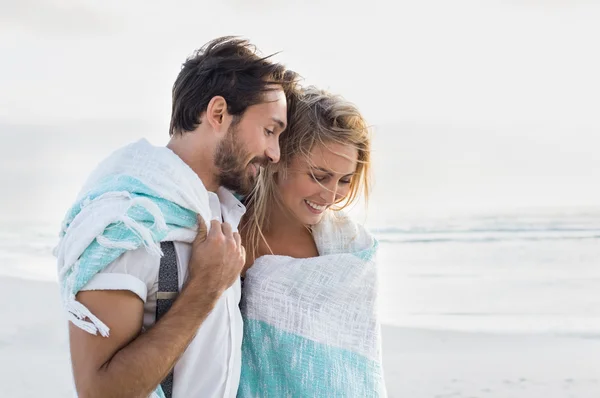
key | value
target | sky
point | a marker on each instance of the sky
(476, 106)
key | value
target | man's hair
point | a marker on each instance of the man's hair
(229, 67)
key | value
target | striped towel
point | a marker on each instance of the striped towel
(139, 196)
(310, 325)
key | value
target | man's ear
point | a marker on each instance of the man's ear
(216, 113)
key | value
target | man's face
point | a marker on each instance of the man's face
(251, 142)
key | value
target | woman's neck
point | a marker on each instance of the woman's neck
(286, 235)
(283, 223)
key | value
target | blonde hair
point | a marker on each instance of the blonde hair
(315, 117)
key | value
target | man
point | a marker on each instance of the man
(229, 109)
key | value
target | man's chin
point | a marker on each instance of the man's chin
(244, 191)
(247, 185)
(240, 189)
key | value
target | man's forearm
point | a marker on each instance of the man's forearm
(140, 366)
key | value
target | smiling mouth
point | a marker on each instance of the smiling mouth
(314, 207)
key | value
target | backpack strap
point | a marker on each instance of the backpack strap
(168, 289)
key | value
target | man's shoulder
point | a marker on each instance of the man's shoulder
(138, 261)
(134, 270)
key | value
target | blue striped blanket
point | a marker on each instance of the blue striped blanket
(310, 325)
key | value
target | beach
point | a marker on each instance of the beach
(481, 174)
(435, 364)
(418, 363)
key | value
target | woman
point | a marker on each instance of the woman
(309, 296)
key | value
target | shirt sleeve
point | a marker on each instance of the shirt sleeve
(135, 270)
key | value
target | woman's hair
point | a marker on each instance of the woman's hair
(315, 117)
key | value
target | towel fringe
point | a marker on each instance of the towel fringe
(84, 319)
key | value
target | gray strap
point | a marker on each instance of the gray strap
(168, 288)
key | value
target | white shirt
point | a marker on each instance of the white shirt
(211, 365)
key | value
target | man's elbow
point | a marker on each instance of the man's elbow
(90, 390)
(94, 387)
(99, 392)
(97, 388)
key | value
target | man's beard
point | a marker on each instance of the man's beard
(231, 160)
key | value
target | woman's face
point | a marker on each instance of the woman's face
(312, 185)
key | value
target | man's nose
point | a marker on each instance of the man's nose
(273, 152)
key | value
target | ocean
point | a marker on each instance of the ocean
(504, 273)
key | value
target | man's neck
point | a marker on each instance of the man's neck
(199, 158)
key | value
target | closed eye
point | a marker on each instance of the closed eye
(269, 132)
(318, 178)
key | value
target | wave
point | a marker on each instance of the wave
(479, 232)
(478, 239)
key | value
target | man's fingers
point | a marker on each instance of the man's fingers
(201, 228)
(227, 230)
(238, 239)
(243, 253)
(215, 228)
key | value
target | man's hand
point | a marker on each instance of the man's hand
(217, 258)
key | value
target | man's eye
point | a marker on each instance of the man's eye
(269, 132)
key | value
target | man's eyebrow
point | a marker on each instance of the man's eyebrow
(280, 123)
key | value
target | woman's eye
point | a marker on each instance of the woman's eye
(318, 178)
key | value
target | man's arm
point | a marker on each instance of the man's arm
(130, 364)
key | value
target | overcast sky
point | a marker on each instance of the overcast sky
(476, 105)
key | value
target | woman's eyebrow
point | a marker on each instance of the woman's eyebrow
(322, 170)
(329, 172)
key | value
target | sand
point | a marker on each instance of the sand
(418, 363)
